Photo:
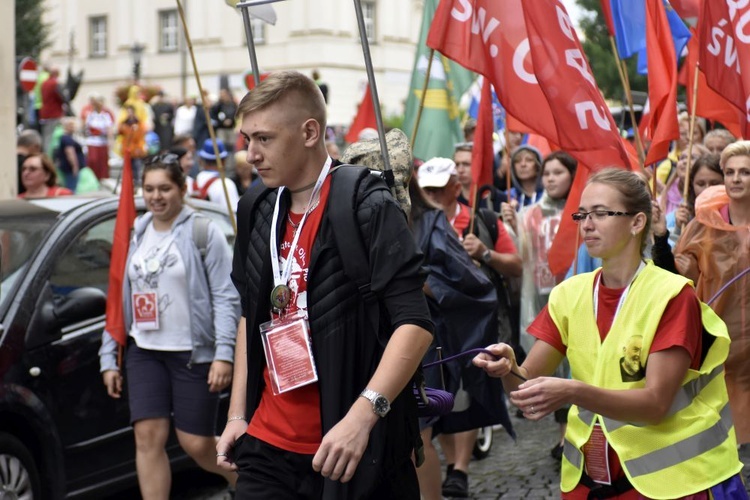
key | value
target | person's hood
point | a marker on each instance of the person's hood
(708, 206)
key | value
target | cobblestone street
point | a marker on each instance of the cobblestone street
(524, 469)
(513, 471)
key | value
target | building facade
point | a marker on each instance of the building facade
(104, 39)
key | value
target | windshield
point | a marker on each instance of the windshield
(20, 236)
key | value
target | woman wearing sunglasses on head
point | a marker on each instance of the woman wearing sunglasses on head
(650, 415)
(181, 313)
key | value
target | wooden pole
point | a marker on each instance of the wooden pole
(211, 131)
(421, 99)
(622, 70)
(694, 105)
(474, 203)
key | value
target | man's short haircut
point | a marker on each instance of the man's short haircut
(29, 138)
(463, 146)
(721, 133)
(280, 85)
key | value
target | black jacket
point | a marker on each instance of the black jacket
(346, 353)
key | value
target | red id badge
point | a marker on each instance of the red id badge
(289, 356)
(596, 451)
(146, 310)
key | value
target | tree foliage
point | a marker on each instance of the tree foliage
(598, 49)
(32, 33)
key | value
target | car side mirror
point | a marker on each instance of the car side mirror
(78, 305)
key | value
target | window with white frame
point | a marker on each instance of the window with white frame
(168, 31)
(368, 13)
(98, 36)
(259, 30)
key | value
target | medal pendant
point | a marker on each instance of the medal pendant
(153, 266)
(280, 296)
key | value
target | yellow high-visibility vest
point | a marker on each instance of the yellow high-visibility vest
(694, 447)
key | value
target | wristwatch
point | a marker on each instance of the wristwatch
(487, 256)
(380, 404)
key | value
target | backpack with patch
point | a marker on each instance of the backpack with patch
(368, 154)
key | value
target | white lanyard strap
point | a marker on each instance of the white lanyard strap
(622, 297)
(281, 276)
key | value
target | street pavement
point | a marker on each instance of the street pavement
(523, 469)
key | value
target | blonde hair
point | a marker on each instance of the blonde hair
(282, 85)
(739, 148)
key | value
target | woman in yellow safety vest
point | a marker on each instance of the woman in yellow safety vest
(650, 415)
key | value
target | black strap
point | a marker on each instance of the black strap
(342, 212)
(598, 490)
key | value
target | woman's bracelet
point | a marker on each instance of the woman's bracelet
(236, 417)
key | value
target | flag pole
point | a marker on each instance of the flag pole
(474, 203)
(211, 131)
(694, 105)
(387, 172)
(506, 147)
(422, 98)
(622, 70)
(244, 6)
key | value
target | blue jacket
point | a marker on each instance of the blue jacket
(214, 302)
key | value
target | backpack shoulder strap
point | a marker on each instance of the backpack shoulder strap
(345, 186)
(200, 234)
(342, 212)
(490, 220)
(203, 192)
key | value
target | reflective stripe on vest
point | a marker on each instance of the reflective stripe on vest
(682, 400)
(683, 450)
(671, 455)
(573, 454)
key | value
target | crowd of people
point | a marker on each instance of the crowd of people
(82, 147)
(648, 391)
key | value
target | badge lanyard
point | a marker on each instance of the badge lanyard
(622, 297)
(281, 294)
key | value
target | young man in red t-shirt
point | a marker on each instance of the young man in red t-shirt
(346, 428)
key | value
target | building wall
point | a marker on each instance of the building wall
(308, 34)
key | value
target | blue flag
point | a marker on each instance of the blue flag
(629, 19)
(498, 111)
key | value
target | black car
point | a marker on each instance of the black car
(61, 436)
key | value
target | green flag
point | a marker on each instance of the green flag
(440, 124)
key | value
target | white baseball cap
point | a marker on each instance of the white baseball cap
(436, 172)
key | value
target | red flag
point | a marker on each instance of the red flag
(662, 126)
(531, 54)
(725, 55)
(482, 154)
(115, 323)
(709, 105)
(365, 117)
(607, 13)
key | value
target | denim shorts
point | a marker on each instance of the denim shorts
(160, 385)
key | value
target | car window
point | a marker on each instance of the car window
(85, 263)
(19, 239)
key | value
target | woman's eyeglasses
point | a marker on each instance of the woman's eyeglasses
(598, 215)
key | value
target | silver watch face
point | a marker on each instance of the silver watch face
(381, 406)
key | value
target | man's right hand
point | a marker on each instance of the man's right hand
(113, 383)
(225, 446)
